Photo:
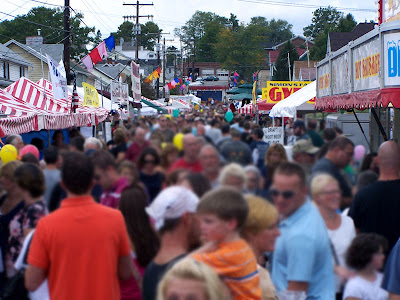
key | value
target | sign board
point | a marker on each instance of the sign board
(340, 74)
(91, 96)
(136, 88)
(323, 83)
(391, 50)
(273, 135)
(366, 65)
(58, 78)
(119, 92)
(279, 90)
(391, 10)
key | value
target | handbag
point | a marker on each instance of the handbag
(14, 288)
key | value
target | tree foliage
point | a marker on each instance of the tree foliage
(147, 38)
(326, 20)
(50, 21)
(282, 66)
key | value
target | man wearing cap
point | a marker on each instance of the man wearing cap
(173, 213)
(299, 131)
(304, 153)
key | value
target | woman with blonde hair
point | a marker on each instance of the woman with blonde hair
(275, 154)
(190, 279)
(232, 175)
(326, 193)
(261, 231)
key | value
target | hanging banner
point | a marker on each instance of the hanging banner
(278, 90)
(136, 89)
(391, 10)
(91, 96)
(340, 74)
(119, 92)
(323, 82)
(366, 65)
(58, 78)
(391, 50)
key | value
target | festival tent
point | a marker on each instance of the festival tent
(176, 104)
(154, 104)
(262, 106)
(297, 101)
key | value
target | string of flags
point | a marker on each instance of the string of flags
(176, 82)
(155, 75)
(97, 54)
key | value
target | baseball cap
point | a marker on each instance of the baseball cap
(299, 123)
(172, 203)
(304, 146)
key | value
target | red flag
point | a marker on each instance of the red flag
(158, 70)
(95, 56)
(180, 81)
(170, 86)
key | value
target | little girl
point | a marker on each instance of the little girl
(366, 256)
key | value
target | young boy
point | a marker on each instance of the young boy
(222, 213)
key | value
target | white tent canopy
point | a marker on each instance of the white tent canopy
(297, 101)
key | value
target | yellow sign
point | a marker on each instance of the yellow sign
(91, 96)
(279, 90)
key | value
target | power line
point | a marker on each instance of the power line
(301, 5)
(95, 14)
(41, 2)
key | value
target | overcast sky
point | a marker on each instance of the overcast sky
(107, 15)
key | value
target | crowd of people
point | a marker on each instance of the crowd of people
(194, 207)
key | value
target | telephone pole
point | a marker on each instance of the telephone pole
(67, 39)
(137, 26)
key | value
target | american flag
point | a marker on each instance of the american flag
(75, 99)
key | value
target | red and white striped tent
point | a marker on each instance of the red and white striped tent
(262, 105)
(31, 106)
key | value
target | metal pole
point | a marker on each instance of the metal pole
(67, 35)
(137, 32)
(290, 73)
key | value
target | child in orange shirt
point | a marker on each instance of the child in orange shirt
(222, 213)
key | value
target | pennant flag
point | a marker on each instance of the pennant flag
(180, 81)
(158, 70)
(156, 74)
(95, 56)
(87, 61)
(236, 74)
(110, 42)
(166, 88)
(255, 76)
(254, 92)
(149, 78)
(187, 82)
(91, 95)
(183, 87)
(58, 78)
(170, 86)
(173, 83)
(102, 49)
(176, 80)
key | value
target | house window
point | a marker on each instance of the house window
(6, 70)
(21, 72)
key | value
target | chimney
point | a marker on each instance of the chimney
(34, 40)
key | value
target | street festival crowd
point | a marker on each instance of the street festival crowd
(193, 208)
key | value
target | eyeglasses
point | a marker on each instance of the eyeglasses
(285, 194)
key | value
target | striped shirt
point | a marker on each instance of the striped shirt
(236, 264)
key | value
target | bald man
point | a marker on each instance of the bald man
(190, 160)
(376, 208)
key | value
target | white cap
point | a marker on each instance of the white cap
(172, 203)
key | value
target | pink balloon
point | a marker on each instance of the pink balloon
(359, 152)
(29, 149)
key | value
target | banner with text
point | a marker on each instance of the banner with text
(136, 88)
(278, 90)
(391, 10)
(58, 78)
(391, 50)
(273, 135)
(119, 92)
(91, 96)
(323, 81)
(366, 65)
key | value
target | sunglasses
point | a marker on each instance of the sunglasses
(285, 194)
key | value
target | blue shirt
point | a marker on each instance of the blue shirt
(303, 253)
(391, 276)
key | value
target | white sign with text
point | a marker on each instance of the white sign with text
(273, 135)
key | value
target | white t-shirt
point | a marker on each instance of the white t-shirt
(341, 239)
(358, 287)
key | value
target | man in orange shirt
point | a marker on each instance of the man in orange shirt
(83, 247)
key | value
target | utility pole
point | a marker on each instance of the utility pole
(67, 39)
(290, 73)
(164, 64)
(158, 64)
(137, 26)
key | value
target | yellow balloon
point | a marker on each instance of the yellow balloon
(178, 141)
(8, 153)
(201, 110)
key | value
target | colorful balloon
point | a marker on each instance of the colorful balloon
(29, 149)
(8, 153)
(175, 113)
(359, 152)
(229, 116)
(178, 141)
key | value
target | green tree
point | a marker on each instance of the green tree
(124, 31)
(50, 21)
(282, 66)
(148, 37)
(324, 20)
